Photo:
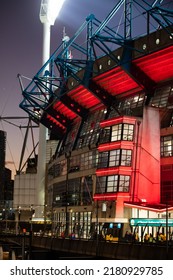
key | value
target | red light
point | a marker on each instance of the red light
(118, 120)
(61, 108)
(115, 145)
(158, 65)
(123, 170)
(55, 121)
(110, 196)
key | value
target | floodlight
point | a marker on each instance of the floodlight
(49, 10)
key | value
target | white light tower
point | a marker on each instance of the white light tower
(49, 11)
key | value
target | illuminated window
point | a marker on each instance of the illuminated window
(115, 183)
(116, 132)
(129, 105)
(167, 146)
(112, 183)
(124, 183)
(126, 157)
(128, 132)
(161, 96)
(115, 158)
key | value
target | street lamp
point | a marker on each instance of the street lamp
(49, 10)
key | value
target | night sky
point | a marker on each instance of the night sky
(21, 52)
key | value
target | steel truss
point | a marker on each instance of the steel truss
(74, 60)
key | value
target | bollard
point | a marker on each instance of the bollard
(13, 255)
(1, 253)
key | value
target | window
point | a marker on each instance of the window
(126, 157)
(105, 135)
(103, 160)
(116, 132)
(112, 183)
(161, 96)
(167, 146)
(122, 132)
(115, 183)
(167, 192)
(128, 132)
(77, 192)
(124, 183)
(90, 129)
(115, 158)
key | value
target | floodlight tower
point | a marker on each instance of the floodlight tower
(49, 11)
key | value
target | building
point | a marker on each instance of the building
(24, 198)
(2, 165)
(112, 117)
(6, 183)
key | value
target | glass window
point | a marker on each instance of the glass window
(128, 132)
(115, 183)
(105, 135)
(161, 96)
(112, 183)
(124, 183)
(76, 192)
(115, 158)
(90, 129)
(122, 132)
(101, 184)
(116, 132)
(103, 160)
(167, 146)
(126, 157)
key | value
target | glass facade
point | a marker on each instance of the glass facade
(78, 157)
(79, 224)
(120, 157)
(113, 184)
(118, 132)
(90, 129)
(74, 192)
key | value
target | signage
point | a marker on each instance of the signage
(151, 222)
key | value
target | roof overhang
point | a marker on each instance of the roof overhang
(159, 208)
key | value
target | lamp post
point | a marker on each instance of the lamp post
(49, 11)
(167, 217)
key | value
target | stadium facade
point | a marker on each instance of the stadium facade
(112, 117)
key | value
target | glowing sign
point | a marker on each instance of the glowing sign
(151, 222)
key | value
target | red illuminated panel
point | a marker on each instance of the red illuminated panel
(115, 145)
(118, 120)
(60, 107)
(158, 66)
(123, 170)
(110, 196)
(55, 122)
(84, 97)
(116, 81)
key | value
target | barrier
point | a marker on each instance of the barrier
(97, 249)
